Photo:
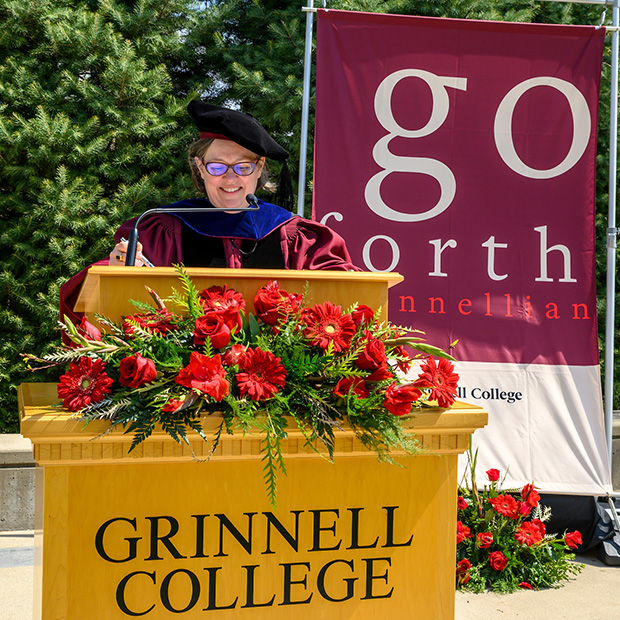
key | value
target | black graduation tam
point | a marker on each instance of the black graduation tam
(214, 121)
(223, 123)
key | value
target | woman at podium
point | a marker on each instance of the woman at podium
(228, 163)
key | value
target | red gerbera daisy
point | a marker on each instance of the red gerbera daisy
(327, 325)
(226, 302)
(442, 380)
(218, 298)
(84, 383)
(505, 505)
(528, 534)
(262, 374)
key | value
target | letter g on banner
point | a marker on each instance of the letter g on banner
(581, 127)
(423, 165)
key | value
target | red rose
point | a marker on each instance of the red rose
(461, 503)
(206, 375)
(398, 399)
(382, 374)
(136, 371)
(353, 385)
(525, 585)
(462, 532)
(493, 474)
(524, 510)
(484, 540)
(462, 571)
(231, 318)
(540, 525)
(497, 560)
(273, 305)
(211, 325)
(226, 302)
(573, 539)
(362, 314)
(373, 356)
(530, 496)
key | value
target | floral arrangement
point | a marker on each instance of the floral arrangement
(206, 355)
(502, 542)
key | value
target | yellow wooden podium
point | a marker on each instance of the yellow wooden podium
(109, 289)
(167, 532)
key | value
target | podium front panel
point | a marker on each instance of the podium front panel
(357, 540)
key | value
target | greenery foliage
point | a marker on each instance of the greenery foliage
(314, 368)
(502, 543)
(93, 127)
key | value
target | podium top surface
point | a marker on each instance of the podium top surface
(107, 290)
(389, 277)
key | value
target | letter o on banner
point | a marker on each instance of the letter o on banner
(395, 253)
(581, 127)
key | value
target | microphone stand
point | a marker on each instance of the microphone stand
(132, 242)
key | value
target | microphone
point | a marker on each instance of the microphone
(132, 242)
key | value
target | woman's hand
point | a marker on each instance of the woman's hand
(119, 253)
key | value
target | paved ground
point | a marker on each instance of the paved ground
(593, 594)
(16, 558)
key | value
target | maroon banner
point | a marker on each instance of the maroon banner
(462, 154)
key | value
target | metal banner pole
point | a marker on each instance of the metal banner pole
(305, 106)
(611, 233)
(611, 229)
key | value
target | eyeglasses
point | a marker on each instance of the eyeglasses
(243, 168)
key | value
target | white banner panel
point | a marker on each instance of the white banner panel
(560, 451)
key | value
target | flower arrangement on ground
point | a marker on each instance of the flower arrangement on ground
(502, 542)
(206, 355)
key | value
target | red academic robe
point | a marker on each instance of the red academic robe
(304, 244)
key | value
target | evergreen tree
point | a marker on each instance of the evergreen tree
(93, 128)
(90, 135)
(262, 44)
